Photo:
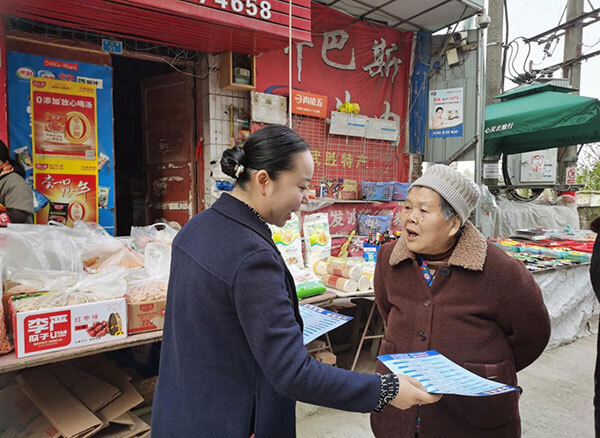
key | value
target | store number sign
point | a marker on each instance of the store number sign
(252, 8)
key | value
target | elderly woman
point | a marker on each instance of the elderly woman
(444, 287)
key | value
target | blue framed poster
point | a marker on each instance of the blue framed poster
(446, 113)
(21, 68)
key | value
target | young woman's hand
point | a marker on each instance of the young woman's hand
(411, 393)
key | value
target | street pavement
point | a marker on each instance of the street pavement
(556, 402)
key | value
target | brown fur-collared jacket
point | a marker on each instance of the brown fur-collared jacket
(483, 311)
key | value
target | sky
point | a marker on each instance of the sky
(531, 17)
(528, 18)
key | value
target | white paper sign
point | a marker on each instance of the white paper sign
(319, 321)
(439, 375)
(268, 108)
(348, 124)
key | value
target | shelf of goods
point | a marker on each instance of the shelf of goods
(9, 362)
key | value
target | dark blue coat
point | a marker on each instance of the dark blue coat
(232, 358)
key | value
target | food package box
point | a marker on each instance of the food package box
(62, 328)
(145, 316)
(349, 190)
(339, 188)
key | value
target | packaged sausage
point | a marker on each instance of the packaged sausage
(345, 270)
(340, 283)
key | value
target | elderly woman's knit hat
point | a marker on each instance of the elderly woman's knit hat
(458, 190)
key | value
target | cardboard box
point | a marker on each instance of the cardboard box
(126, 426)
(129, 398)
(63, 400)
(326, 357)
(145, 316)
(339, 188)
(90, 390)
(62, 328)
(67, 414)
(19, 417)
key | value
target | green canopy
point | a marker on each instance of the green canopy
(540, 116)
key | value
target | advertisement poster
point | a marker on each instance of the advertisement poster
(73, 197)
(446, 113)
(64, 122)
(65, 158)
(59, 152)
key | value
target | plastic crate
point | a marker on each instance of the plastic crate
(376, 191)
(400, 191)
(371, 224)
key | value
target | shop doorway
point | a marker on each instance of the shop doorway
(155, 138)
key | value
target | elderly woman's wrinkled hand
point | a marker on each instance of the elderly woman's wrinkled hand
(412, 393)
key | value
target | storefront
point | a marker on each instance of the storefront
(139, 154)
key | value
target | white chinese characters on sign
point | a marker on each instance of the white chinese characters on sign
(498, 128)
(44, 328)
(299, 48)
(336, 218)
(336, 40)
(383, 60)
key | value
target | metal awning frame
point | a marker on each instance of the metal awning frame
(400, 21)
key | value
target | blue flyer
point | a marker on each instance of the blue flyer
(319, 321)
(439, 375)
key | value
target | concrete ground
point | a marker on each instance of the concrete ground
(556, 402)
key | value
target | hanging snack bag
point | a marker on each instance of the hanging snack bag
(317, 239)
(289, 242)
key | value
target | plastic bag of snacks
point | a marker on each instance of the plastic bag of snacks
(141, 236)
(45, 247)
(158, 259)
(151, 289)
(5, 345)
(124, 258)
(98, 243)
(108, 285)
(307, 283)
(289, 241)
(317, 239)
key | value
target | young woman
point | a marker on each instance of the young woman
(16, 197)
(233, 362)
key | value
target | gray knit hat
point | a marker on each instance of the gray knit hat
(458, 190)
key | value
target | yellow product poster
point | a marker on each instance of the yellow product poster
(64, 127)
(64, 134)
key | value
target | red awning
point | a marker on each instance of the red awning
(212, 26)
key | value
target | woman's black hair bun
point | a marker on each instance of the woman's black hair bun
(232, 158)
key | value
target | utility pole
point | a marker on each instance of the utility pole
(573, 40)
(493, 63)
(494, 77)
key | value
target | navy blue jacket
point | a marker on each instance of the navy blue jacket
(232, 359)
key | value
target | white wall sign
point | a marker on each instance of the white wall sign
(268, 108)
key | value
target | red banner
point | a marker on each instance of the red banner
(348, 61)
